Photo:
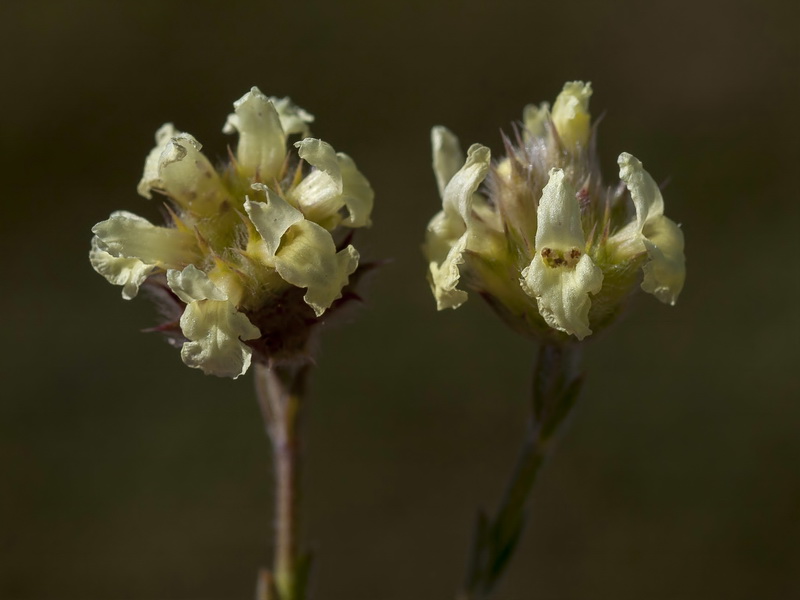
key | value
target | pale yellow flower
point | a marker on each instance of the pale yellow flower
(212, 324)
(449, 230)
(241, 239)
(537, 233)
(664, 272)
(561, 275)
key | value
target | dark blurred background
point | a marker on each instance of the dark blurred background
(124, 474)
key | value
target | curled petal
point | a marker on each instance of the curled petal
(535, 119)
(665, 271)
(356, 192)
(294, 119)
(562, 294)
(571, 115)
(308, 259)
(177, 168)
(447, 156)
(319, 194)
(151, 178)
(187, 176)
(559, 215)
(322, 156)
(130, 273)
(335, 182)
(126, 235)
(646, 196)
(444, 276)
(441, 235)
(448, 234)
(215, 330)
(262, 141)
(457, 197)
(272, 219)
(192, 284)
(212, 324)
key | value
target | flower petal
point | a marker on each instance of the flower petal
(150, 178)
(571, 115)
(335, 182)
(308, 259)
(215, 329)
(273, 218)
(177, 168)
(561, 287)
(130, 273)
(356, 192)
(293, 118)
(559, 216)
(665, 272)
(126, 235)
(646, 195)
(444, 276)
(448, 234)
(187, 176)
(562, 293)
(262, 141)
(192, 284)
(447, 156)
(535, 119)
(457, 196)
(319, 194)
(212, 324)
(322, 156)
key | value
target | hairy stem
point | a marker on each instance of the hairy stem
(280, 389)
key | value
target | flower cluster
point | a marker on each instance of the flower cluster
(254, 251)
(538, 234)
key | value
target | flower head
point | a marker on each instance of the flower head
(538, 234)
(255, 252)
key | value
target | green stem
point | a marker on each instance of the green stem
(280, 389)
(556, 385)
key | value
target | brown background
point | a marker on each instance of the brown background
(124, 474)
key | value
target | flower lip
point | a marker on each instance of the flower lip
(560, 277)
(272, 219)
(556, 258)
